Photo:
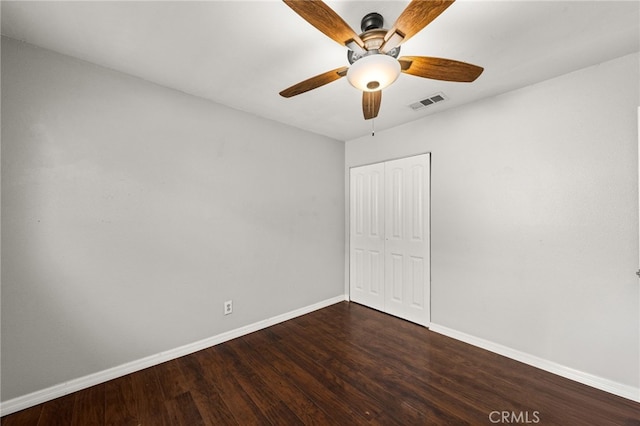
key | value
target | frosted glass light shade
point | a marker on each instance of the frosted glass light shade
(373, 72)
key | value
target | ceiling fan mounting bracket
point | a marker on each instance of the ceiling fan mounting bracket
(371, 21)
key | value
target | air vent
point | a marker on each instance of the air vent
(433, 99)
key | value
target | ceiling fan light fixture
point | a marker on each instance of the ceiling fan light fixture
(373, 72)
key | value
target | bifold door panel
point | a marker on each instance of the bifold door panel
(367, 236)
(389, 237)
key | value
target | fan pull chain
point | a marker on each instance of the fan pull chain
(373, 127)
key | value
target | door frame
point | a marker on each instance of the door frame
(348, 223)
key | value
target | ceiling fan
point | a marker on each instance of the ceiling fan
(373, 54)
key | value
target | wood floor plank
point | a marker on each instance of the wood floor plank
(359, 361)
(316, 389)
(344, 364)
(120, 403)
(149, 398)
(261, 394)
(183, 411)
(89, 408)
(346, 380)
(218, 374)
(27, 417)
(298, 402)
(58, 412)
(208, 400)
(458, 382)
(281, 414)
(171, 379)
(416, 390)
(324, 354)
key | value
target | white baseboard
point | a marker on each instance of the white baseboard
(44, 395)
(597, 382)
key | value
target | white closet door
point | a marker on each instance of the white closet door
(389, 266)
(407, 268)
(366, 252)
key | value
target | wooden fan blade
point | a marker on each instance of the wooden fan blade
(371, 104)
(417, 15)
(315, 82)
(321, 16)
(439, 68)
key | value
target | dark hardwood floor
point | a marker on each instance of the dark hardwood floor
(345, 365)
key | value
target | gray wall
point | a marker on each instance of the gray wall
(535, 217)
(131, 212)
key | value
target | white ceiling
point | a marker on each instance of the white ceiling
(241, 53)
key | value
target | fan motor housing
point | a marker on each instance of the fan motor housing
(373, 37)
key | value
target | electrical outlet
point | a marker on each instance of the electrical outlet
(228, 307)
